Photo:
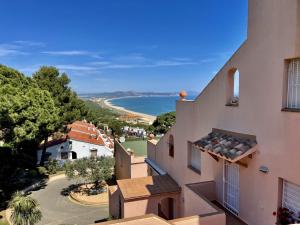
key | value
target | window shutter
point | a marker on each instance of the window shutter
(196, 158)
(293, 96)
(291, 197)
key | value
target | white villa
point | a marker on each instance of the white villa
(82, 140)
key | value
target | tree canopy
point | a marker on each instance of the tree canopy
(26, 111)
(70, 107)
(163, 123)
(93, 170)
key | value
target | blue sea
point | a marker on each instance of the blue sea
(151, 105)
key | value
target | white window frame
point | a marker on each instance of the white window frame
(195, 158)
(293, 89)
(231, 187)
(291, 197)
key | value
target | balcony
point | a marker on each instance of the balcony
(203, 202)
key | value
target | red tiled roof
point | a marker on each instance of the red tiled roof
(230, 145)
(81, 128)
(54, 142)
(85, 137)
(83, 123)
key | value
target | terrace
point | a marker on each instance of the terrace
(203, 195)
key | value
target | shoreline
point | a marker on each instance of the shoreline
(146, 117)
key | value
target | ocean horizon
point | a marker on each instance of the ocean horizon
(151, 105)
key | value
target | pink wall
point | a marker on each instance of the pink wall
(217, 219)
(126, 165)
(146, 206)
(139, 170)
(274, 33)
(113, 196)
(196, 205)
(122, 162)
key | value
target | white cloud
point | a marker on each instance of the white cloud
(139, 61)
(18, 47)
(73, 53)
(30, 43)
(100, 63)
(9, 49)
(207, 60)
(76, 67)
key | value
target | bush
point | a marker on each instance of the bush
(32, 173)
(53, 166)
(94, 170)
(3, 222)
(42, 170)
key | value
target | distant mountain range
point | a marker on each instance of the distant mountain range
(118, 94)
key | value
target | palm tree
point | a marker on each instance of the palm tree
(25, 210)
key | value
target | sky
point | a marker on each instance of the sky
(118, 45)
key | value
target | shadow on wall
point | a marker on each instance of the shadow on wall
(164, 196)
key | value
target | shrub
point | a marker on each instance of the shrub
(93, 170)
(3, 222)
(25, 210)
(53, 166)
(42, 170)
(33, 173)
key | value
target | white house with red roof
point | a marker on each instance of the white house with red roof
(82, 140)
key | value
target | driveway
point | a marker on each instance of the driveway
(58, 209)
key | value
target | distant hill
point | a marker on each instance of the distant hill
(118, 94)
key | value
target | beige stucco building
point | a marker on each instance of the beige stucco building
(237, 145)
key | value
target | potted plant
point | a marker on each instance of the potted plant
(286, 216)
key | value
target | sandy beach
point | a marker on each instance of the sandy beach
(143, 116)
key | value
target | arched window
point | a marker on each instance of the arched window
(233, 86)
(171, 145)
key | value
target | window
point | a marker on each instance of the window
(171, 146)
(233, 86)
(194, 158)
(291, 197)
(293, 89)
(94, 153)
(47, 156)
(64, 155)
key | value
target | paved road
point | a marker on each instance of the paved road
(58, 209)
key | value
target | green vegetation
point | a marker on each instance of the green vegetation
(25, 210)
(91, 170)
(31, 110)
(3, 222)
(69, 106)
(163, 123)
(102, 116)
(26, 111)
(139, 147)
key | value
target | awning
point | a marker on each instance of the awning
(155, 166)
(228, 145)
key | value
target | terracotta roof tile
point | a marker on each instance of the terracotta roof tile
(54, 142)
(85, 137)
(226, 143)
(147, 186)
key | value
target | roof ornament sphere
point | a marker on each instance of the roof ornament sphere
(182, 95)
